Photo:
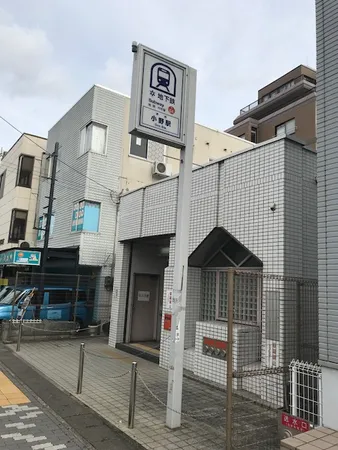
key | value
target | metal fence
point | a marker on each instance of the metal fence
(83, 299)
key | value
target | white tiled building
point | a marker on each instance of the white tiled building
(262, 202)
(97, 161)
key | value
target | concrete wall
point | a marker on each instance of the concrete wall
(16, 197)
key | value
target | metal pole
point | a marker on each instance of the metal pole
(18, 342)
(132, 395)
(293, 391)
(76, 297)
(298, 321)
(230, 325)
(80, 374)
(13, 305)
(175, 373)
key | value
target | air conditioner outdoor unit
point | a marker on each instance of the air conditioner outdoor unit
(25, 244)
(161, 169)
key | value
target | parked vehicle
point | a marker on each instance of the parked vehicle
(57, 303)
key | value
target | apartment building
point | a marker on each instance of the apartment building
(19, 185)
(98, 160)
(287, 106)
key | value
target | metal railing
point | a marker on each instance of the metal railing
(276, 93)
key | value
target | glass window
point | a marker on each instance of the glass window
(25, 171)
(42, 226)
(93, 138)
(139, 147)
(59, 297)
(86, 216)
(254, 135)
(2, 183)
(288, 127)
(18, 226)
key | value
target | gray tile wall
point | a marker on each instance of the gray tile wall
(327, 148)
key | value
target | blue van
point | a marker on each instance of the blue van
(58, 303)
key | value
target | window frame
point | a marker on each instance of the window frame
(217, 271)
(137, 156)
(78, 203)
(2, 183)
(21, 157)
(84, 141)
(12, 240)
(283, 124)
(254, 130)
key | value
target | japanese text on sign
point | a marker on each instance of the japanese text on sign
(295, 423)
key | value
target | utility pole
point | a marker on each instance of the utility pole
(49, 208)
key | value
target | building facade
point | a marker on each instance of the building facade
(97, 161)
(255, 209)
(20, 171)
(327, 91)
(285, 106)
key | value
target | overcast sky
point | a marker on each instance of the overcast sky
(53, 51)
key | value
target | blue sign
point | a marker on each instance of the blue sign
(20, 257)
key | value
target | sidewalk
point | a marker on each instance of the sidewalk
(27, 424)
(106, 387)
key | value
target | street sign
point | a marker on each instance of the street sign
(159, 97)
(291, 426)
(20, 257)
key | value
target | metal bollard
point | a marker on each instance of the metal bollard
(81, 364)
(132, 395)
(18, 342)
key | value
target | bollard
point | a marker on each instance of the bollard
(18, 342)
(132, 395)
(81, 364)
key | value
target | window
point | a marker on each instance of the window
(86, 216)
(59, 297)
(242, 136)
(139, 147)
(18, 226)
(42, 225)
(247, 305)
(2, 183)
(288, 127)
(25, 171)
(93, 138)
(254, 135)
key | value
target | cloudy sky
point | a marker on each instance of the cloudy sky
(52, 51)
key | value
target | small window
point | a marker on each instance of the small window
(242, 136)
(17, 230)
(93, 138)
(42, 226)
(139, 147)
(57, 297)
(2, 183)
(254, 135)
(287, 128)
(86, 216)
(25, 171)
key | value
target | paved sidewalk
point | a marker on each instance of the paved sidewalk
(30, 425)
(106, 387)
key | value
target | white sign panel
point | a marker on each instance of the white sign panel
(143, 296)
(159, 97)
(169, 299)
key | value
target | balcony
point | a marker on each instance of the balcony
(277, 99)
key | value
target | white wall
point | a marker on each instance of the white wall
(16, 197)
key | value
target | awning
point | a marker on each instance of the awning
(221, 249)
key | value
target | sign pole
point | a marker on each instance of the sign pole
(175, 376)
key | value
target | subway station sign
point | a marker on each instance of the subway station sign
(20, 258)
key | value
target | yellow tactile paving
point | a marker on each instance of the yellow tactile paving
(9, 393)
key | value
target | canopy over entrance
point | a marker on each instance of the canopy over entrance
(221, 249)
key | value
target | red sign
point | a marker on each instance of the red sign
(167, 322)
(295, 423)
(215, 343)
(171, 109)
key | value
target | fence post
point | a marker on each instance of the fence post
(298, 321)
(132, 395)
(320, 400)
(230, 324)
(80, 374)
(293, 390)
(18, 342)
(76, 297)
